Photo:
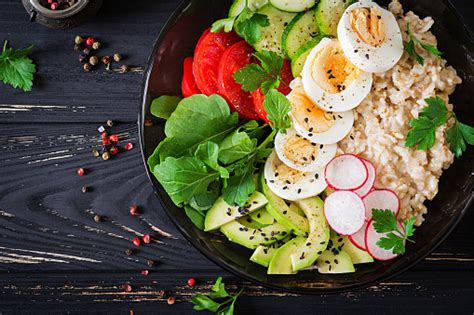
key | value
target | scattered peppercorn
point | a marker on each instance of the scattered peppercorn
(78, 40)
(93, 60)
(117, 57)
(95, 152)
(171, 300)
(105, 156)
(148, 122)
(145, 272)
(124, 68)
(133, 210)
(127, 287)
(151, 263)
(77, 47)
(113, 138)
(83, 58)
(110, 123)
(90, 41)
(113, 150)
(81, 171)
(86, 51)
(128, 146)
(97, 218)
(146, 238)
(129, 252)
(54, 6)
(105, 60)
(163, 293)
(106, 141)
(191, 282)
(85, 189)
(96, 45)
(136, 241)
(87, 67)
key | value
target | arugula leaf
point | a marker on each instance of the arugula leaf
(436, 110)
(236, 146)
(248, 24)
(210, 302)
(277, 107)
(197, 119)
(458, 135)
(240, 186)
(205, 200)
(196, 216)
(385, 221)
(208, 153)
(184, 177)
(422, 135)
(227, 24)
(164, 106)
(410, 47)
(16, 68)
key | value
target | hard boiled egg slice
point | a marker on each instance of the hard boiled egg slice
(315, 124)
(302, 154)
(291, 184)
(331, 80)
(370, 37)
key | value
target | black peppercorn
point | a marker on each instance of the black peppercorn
(83, 58)
(85, 189)
(86, 51)
(77, 47)
(151, 263)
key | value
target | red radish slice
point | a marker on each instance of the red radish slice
(345, 212)
(381, 199)
(369, 184)
(358, 238)
(371, 239)
(346, 172)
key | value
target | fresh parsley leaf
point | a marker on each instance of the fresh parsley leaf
(384, 220)
(270, 62)
(164, 106)
(248, 24)
(251, 77)
(277, 107)
(218, 301)
(184, 177)
(430, 48)
(240, 185)
(218, 290)
(236, 146)
(436, 110)
(16, 68)
(458, 135)
(422, 133)
(208, 152)
(202, 302)
(227, 24)
(410, 47)
(196, 216)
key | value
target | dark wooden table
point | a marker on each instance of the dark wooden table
(54, 257)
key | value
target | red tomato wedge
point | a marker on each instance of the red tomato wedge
(284, 88)
(234, 58)
(188, 84)
(207, 55)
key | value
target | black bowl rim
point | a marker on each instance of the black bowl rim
(423, 253)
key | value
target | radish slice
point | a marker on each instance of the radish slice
(381, 199)
(358, 238)
(371, 239)
(369, 184)
(346, 172)
(345, 212)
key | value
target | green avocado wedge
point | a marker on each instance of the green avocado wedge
(253, 237)
(318, 236)
(262, 216)
(264, 253)
(331, 262)
(278, 208)
(281, 260)
(358, 256)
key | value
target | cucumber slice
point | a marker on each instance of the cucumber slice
(293, 5)
(238, 6)
(264, 253)
(253, 237)
(270, 38)
(297, 63)
(328, 14)
(262, 216)
(300, 30)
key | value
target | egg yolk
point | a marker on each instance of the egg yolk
(307, 114)
(369, 25)
(299, 150)
(331, 70)
(286, 174)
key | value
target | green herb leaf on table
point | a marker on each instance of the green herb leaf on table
(164, 106)
(248, 24)
(218, 300)
(385, 221)
(227, 24)
(277, 107)
(197, 217)
(410, 47)
(16, 68)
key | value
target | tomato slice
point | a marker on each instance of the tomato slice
(284, 88)
(234, 58)
(188, 84)
(207, 55)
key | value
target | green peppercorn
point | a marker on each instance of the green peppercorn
(117, 57)
(96, 45)
(78, 40)
(87, 67)
(93, 60)
(105, 156)
(124, 68)
(95, 152)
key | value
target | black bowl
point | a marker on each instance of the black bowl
(177, 41)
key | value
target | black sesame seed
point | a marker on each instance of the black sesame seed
(323, 242)
(310, 134)
(285, 187)
(308, 244)
(251, 237)
(306, 119)
(336, 262)
(319, 253)
(255, 202)
(276, 174)
(299, 191)
(302, 256)
(327, 261)
(316, 175)
(330, 267)
(284, 212)
(310, 129)
(287, 181)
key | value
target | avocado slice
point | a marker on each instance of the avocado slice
(264, 253)
(335, 262)
(281, 260)
(278, 208)
(358, 256)
(296, 209)
(318, 236)
(262, 216)
(222, 213)
(253, 237)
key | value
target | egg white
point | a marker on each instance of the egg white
(367, 57)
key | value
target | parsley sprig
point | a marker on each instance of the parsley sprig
(410, 47)
(385, 221)
(422, 134)
(16, 68)
(218, 300)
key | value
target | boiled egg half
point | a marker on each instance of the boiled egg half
(331, 80)
(370, 37)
